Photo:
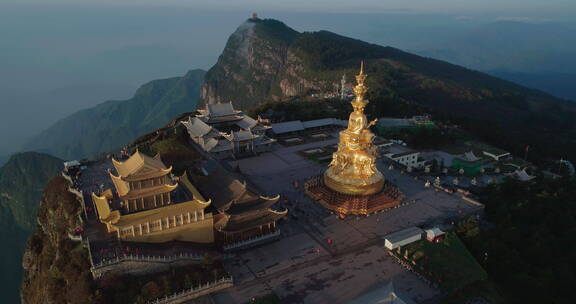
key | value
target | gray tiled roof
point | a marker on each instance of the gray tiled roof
(286, 127)
(247, 122)
(220, 109)
(196, 127)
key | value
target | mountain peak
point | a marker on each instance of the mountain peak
(265, 60)
(274, 29)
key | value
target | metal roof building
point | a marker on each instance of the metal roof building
(287, 127)
(403, 237)
(297, 125)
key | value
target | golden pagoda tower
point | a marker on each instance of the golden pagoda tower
(352, 184)
(353, 167)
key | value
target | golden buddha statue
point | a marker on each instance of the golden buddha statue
(353, 167)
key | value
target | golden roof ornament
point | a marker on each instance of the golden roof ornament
(360, 89)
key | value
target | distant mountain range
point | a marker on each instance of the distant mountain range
(538, 55)
(49, 106)
(265, 60)
(511, 46)
(112, 124)
(22, 181)
(557, 84)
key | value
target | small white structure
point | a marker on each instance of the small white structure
(434, 234)
(403, 237)
(410, 159)
(71, 164)
(522, 175)
(497, 155)
(469, 156)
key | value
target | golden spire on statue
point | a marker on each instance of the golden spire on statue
(353, 167)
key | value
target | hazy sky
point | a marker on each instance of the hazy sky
(519, 8)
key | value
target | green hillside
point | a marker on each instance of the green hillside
(22, 181)
(112, 124)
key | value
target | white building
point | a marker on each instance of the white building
(469, 156)
(434, 234)
(496, 154)
(410, 159)
(403, 237)
(226, 132)
(522, 175)
(71, 164)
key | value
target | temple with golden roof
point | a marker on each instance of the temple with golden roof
(214, 207)
(149, 206)
(352, 184)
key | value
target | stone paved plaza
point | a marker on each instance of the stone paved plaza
(323, 259)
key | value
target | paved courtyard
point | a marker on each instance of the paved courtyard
(323, 259)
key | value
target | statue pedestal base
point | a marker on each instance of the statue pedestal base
(349, 204)
(354, 186)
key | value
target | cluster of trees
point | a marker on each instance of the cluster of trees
(528, 246)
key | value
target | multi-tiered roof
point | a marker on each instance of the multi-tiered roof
(219, 128)
(149, 207)
(239, 207)
(142, 182)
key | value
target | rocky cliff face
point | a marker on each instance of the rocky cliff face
(57, 269)
(22, 180)
(262, 62)
(248, 69)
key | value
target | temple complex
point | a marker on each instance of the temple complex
(242, 216)
(148, 205)
(225, 132)
(352, 184)
(151, 206)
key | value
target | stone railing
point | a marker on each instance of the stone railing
(142, 264)
(149, 258)
(80, 198)
(253, 240)
(195, 292)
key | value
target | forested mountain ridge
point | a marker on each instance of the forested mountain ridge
(112, 124)
(266, 61)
